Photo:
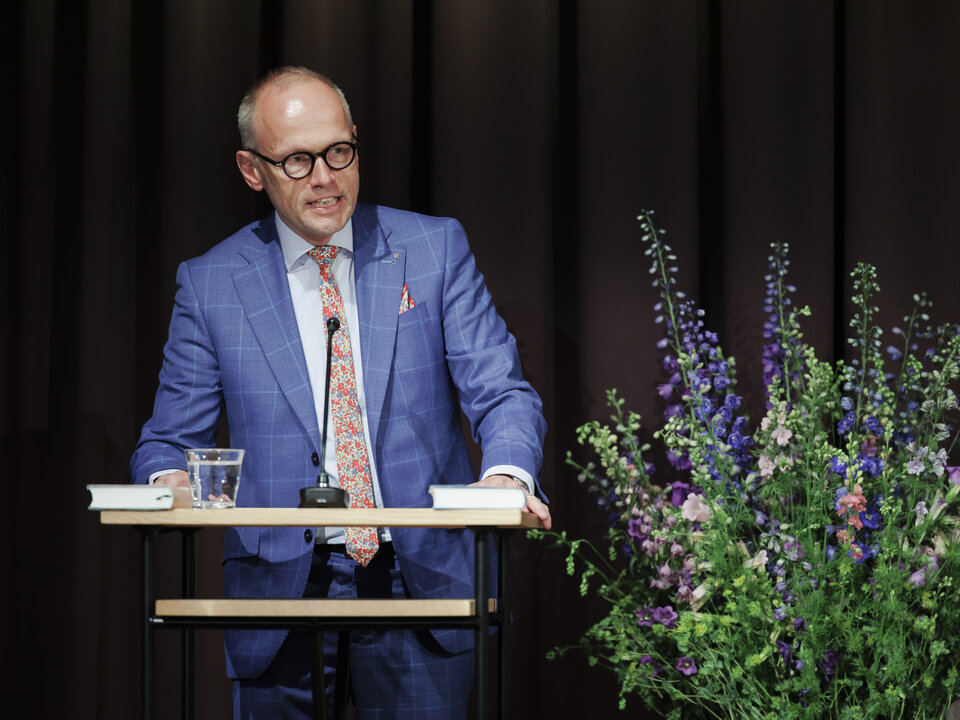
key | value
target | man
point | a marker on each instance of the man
(418, 333)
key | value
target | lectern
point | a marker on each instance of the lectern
(188, 613)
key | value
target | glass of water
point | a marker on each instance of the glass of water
(214, 476)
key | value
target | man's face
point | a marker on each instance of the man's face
(306, 115)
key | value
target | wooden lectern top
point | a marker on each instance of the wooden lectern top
(321, 517)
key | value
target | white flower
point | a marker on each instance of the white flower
(695, 509)
(782, 435)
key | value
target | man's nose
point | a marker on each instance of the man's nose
(321, 174)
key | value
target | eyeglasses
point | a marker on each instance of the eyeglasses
(299, 164)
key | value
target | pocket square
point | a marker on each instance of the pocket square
(406, 302)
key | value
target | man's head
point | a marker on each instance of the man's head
(297, 110)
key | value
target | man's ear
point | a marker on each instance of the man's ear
(249, 170)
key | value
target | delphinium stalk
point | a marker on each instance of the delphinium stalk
(705, 434)
(783, 355)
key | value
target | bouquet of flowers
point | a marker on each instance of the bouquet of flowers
(807, 567)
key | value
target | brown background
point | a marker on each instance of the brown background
(545, 127)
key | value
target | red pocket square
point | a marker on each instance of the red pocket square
(406, 302)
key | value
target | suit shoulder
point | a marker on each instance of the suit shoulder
(247, 242)
(404, 225)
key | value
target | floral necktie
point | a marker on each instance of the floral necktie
(353, 463)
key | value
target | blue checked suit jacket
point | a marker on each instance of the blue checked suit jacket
(234, 344)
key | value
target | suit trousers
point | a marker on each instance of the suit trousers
(395, 674)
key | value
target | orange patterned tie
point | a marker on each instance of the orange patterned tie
(353, 464)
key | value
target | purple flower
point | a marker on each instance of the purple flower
(644, 618)
(828, 665)
(687, 666)
(780, 612)
(784, 651)
(665, 616)
(678, 493)
(647, 660)
(953, 474)
(799, 624)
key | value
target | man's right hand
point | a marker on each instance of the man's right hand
(180, 482)
(175, 478)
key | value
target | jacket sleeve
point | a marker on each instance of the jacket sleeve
(186, 411)
(505, 412)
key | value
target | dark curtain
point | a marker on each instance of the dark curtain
(545, 127)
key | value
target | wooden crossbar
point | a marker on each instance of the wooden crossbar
(317, 607)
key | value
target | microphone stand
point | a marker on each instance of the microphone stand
(321, 494)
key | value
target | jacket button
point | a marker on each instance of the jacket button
(315, 459)
(308, 535)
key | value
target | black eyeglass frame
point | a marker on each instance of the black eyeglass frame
(313, 158)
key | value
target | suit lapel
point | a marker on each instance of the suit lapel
(378, 272)
(265, 296)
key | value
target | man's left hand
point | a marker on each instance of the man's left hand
(534, 504)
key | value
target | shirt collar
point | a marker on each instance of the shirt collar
(295, 247)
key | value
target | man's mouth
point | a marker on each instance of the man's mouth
(324, 202)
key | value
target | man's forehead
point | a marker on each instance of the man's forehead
(298, 109)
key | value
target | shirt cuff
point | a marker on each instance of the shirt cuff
(155, 475)
(518, 473)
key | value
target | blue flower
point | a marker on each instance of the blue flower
(843, 427)
(838, 467)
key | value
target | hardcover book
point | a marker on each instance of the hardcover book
(467, 497)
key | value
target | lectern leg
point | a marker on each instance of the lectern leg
(504, 635)
(481, 594)
(147, 594)
(317, 678)
(341, 688)
(187, 639)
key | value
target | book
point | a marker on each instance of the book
(468, 497)
(130, 497)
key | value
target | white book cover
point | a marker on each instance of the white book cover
(130, 497)
(467, 497)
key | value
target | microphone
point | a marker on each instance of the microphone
(321, 494)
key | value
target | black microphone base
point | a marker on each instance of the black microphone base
(319, 496)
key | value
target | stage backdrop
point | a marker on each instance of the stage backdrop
(545, 126)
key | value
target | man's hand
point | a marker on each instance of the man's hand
(180, 482)
(534, 504)
(176, 478)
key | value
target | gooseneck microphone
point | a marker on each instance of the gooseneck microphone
(321, 494)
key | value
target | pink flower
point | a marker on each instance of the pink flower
(853, 500)
(695, 509)
(782, 435)
(767, 466)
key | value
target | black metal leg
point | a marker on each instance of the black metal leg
(187, 644)
(504, 634)
(316, 677)
(481, 596)
(341, 688)
(147, 595)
